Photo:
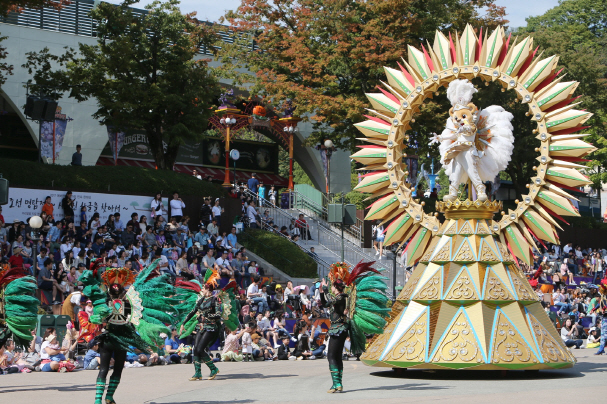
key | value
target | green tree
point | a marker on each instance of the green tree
(144, 71)
(7, 6)
(576, 30)
(326, 54)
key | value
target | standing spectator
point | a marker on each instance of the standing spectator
(156, 206)
(77, 157)
(176, 205)
(252, 215)
(272, 195)
(54, 235)
(303, 227)
(67, 204)
(261, 192)
(217, 211)
(196, 175)
(253, 183)
(48, 208)
(83, 218)
(378, 237)
(205, 212)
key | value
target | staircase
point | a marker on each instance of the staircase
(328, 243)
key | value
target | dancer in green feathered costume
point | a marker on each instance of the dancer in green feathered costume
(18, 308)
(206, 314)
(132, 319)
(357, 306)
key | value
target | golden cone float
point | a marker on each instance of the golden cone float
(467, 305)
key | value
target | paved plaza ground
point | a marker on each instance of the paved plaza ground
(307, 382)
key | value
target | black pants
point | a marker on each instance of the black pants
(336, 349)
(204, 339)
(106, 351)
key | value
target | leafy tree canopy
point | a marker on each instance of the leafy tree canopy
(144, 71)
(326, 54)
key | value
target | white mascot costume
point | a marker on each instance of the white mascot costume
(475, 145)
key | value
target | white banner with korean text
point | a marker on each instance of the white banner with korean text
(24, 203)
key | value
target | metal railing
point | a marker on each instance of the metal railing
(320, 213)
(75, 19)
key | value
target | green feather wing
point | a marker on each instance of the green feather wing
(370, 310)
(21, 309)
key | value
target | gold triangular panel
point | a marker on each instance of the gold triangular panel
(412, 345)
(462, 288)
(466, 228)
(509, 346)
(465, 253)
(482, 228)
(459, 344)
(430, 249)
(551, 347)
(487, 254)
(432, 289)
(443, 254)
(495, 288)
(452, 228)
(521, 286)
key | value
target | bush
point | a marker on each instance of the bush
(278, 251)
(115, 179)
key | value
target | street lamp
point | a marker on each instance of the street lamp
(329, 150)
(35, 224)
(227, 121)
(291, 130)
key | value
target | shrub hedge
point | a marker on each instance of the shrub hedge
(279, 252)
(114, 179)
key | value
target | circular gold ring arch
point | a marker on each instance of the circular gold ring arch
(493, 58)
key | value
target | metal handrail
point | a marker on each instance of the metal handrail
(356, 231)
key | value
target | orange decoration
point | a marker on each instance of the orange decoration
(122, 276)
(259, 110)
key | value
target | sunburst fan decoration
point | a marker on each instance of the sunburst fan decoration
(467, 305)
(121, 276)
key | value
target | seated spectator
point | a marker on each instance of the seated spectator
(302, 348)
(260, 353)
(256, 296)
(171, 347)
(202, 237)
(91, 361)
(46, 282)
(51, 353)
(182, 264)
(284, 352)
(231, 346)
(593, 339)
(16, 260)
(208, 261)
(569, 332)
(213, 230)
(247, 341)
(266, 329)
(224, 268)
(232, 240)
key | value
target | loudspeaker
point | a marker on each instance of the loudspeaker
(50, 108)
(29, 105)
(3, 191)
(38, 109)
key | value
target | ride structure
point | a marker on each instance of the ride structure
(467, 304)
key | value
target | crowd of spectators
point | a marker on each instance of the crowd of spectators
(65, 248)
(566, 281)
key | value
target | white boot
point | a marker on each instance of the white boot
(452, 194)
(480, 193)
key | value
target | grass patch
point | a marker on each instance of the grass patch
(114, 179)
(279, 252)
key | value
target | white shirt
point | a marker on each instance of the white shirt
(64, 249)
(76, 250)
(155, 204)
(216, 211)
(222, 263)
(252, 289)
(176, 206)
(43, 353)
(75, 299)
(566, 249)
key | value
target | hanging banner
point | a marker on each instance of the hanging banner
(116, 140)
(52, 136)
(24, 203)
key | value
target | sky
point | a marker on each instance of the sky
(211, 10)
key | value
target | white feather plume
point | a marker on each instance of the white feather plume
(460, 92)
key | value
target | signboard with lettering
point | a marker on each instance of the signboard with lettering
(24, 203)
(254, 156)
